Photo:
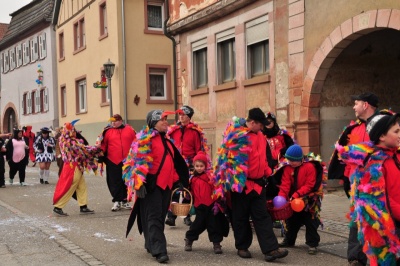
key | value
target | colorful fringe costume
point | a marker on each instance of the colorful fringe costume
(138, 162)
(230, 172)
(368, 209)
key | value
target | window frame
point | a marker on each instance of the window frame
(105, 97)
(25, 103)
(79, 35)
(11, 54)
(42, 45)
(152, 30)
(156, 69)
(197, 48)
(221, 60)
(26, 53)
(78, 82)
(103, 20)
(61, 46)
(44, 100)
(63, 98)
(19, 55)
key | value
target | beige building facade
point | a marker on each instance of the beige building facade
(128, 33)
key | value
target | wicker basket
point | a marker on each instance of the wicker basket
(181, 209)
(281, 213)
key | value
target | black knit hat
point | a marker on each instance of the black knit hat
(155, 115)
(380, 125)
(187, 110)
(258, 115)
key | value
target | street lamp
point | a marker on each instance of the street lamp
(109, 72)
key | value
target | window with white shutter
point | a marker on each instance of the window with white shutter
(26, 52)
(34, 49)
(18, 52)
(37, 102)
(29, 97)
(42, 46)
(46, 99)
(6, 62)
(12, 58)
(24, 103)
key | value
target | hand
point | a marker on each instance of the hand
(141, 193)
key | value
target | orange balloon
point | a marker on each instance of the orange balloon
(297, 205)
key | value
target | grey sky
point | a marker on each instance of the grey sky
(8, 7)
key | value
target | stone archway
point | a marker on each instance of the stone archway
(308, 124)
(10, 118)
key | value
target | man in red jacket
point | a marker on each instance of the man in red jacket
(115, 144)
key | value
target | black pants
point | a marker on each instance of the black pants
(17, 167)
(205, 219)
(294, 223)
(2, 171)
(254, 206)
(354, 248)
(115, 184)
(153, 210)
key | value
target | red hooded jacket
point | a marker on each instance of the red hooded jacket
(187, 140)
(201, 190)
(306, 178)
(117, 142)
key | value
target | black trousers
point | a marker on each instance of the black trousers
(205, 219)
(2, 170)
(354, 248)
(254, 206)
(299, 219)
(153, 210)
(17, 167)
(115, 184)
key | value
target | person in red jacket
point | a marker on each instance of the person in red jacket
(31, 137)
(298, 181)
(242, 169)
(202, 189)
(152, 168)
(116, 142)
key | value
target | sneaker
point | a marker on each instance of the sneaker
(312, 251)
(11, 181)
(170, 221)
(217, 248)
(126, 206)
(116, 207)
(188, 245)
(59, 212)
(23, 184)
(86, 210)
(161, 258)
(244, 253)
(41, 181)
(276, 254)
(46, 182)
(187, 221)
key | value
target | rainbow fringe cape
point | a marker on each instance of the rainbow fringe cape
(139, 161)
(368, 209)
(230, 171)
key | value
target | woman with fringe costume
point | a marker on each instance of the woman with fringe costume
(153, 167)
(77, 158)
(375, 201)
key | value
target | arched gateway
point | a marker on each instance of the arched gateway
(10, 119)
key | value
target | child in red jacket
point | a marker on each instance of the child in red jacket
(216, 224)
(298, 181)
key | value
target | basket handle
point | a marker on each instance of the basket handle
(187, 190)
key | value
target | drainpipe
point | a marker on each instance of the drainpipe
(124, 62)
(169, 36)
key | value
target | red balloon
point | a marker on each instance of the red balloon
(297, 205)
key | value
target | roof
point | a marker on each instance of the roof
(3, 29)
(27, 18)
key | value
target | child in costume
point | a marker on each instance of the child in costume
(202, 189)
(374, 195)
(300, 180)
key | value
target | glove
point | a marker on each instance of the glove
(141, 193)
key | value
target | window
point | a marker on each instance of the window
(44, 100)
(38, 107)
(25, 103)
(105, 95)
(6, 62)
(61, 52)
(11, 52)
(42, 46)
(226, 62)
(33, 102)
(29, 103)
(18, 50)
(158, 84)
(79, 35)
(257, 47)
(26, 51)
(103, 19)
(63, 94)
(155, 16)
(81, 96)
(200, 78)
(34, 49)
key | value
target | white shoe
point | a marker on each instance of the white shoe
(116, 207)
(23, 184)
(11, 181)
(126, 206)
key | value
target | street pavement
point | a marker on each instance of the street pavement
(32, 235)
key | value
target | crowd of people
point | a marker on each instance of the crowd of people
(257, 162)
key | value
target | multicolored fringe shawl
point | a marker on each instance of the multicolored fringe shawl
(368, 209)
(203, 140)
(75, 152)
(139, 161)
(230, 171)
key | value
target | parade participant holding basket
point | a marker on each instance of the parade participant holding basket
(216, 224)
(152, 168)
(302, 181)
(241, 169)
